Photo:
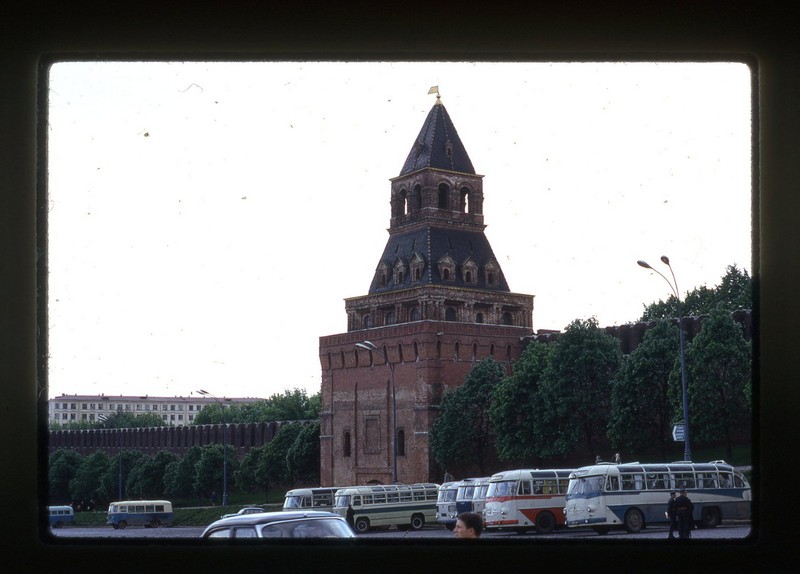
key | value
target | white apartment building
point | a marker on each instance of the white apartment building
(174, 411)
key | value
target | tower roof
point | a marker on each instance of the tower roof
(438, 145)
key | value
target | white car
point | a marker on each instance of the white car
(245, 510)
(282, 524)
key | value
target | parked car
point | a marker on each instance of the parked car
(282, 524)
(245, 510)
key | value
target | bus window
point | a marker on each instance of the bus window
(612, 483)
(684, 479)
(737, 481)
(538, 486)
(563, 484)
(525, 487)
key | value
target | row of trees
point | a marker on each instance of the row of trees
(291, 457)
(579, 396)
(291, 405)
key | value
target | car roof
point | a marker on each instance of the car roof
(268, 517)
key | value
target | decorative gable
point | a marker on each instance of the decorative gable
(469, 272)
(400, 271)
(492, 274)
(417, 266)
(382, 274)
(447, 268)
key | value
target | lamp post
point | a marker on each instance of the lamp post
(687, 448)
(369, 346)
(103, 419)
(224, 447)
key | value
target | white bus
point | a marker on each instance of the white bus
(446, 504)
(635, 495)
(524, 499)
(319, 498)
(403, 505)
(471, 495)
(147, 513)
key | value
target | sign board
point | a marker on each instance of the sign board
(677, 433)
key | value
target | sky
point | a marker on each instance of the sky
(206, 220)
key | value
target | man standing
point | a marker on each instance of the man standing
(684, 509)
(468, 525)
(671, 515)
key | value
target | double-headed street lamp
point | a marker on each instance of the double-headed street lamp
(224, 447)
(687, 449)
(369, 346)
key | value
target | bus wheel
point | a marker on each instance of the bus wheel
(545, 522)
(602, 529)
(362, 525)
(417, 522)
(122, 524)
(710, 517)
(634, 521)
(155, 523)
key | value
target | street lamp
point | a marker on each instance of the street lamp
(103, 419)
(369, 346)
(224, 447)
(687, 448)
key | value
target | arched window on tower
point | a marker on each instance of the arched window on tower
(366, 322)
(415, 314)
(465, 199)
(474, 351)
(479, 318)
(401, 442)
(389, 318)
(416, 198)
(400, 351)
(444, 196)
(416, 351)
(456, 349)
(507, 319)
(491, 350)
(405, 203)
(450, 314)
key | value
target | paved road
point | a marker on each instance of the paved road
(723, 532)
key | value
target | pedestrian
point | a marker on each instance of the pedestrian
(684, 509)
(468, 525)
(350, 515)
(213, 498)
(617, 458)
(597, 459)
(671, 515)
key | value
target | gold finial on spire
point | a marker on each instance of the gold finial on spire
(435, 90)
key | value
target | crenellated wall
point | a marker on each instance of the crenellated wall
(175, 439)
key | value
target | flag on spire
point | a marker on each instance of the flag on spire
(434, 90)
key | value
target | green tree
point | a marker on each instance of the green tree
(146, 479)
(62, 466)
(641, 411)
(179, 475)
(516, 407)
(462, 433)
(209, 469)
(119, 466)
(86, 484)
(274, 466)
(718, 369)
(302, 457)
(734, 292)
(250, 475)
(126, 420)
(576, 389)
(291, 405)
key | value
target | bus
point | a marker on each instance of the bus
(446, 513)
(402, 505)
(525, 499)
(319, 498)
(147, 513)
(633, 495)
(60, 515)
(471, 495)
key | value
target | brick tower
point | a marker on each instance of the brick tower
(438, 304)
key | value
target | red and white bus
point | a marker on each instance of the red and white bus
(526, 499)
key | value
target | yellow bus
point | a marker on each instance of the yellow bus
(402, 505)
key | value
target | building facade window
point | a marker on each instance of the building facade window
(346, 443)
(372, 435)
(401, 442)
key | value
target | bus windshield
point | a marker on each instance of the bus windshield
(586, 485)
(502, 488)
(293, 502)
(448, 495)
(342, 501)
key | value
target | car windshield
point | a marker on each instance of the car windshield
(316, 528)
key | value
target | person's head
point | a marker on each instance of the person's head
(683, 492)
(468, 525)
(672, 494)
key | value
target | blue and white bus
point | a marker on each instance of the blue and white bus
(60, 515)
(471, 495)
(147, 513)
(319, 498)
(608, 495)
(446, 513)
